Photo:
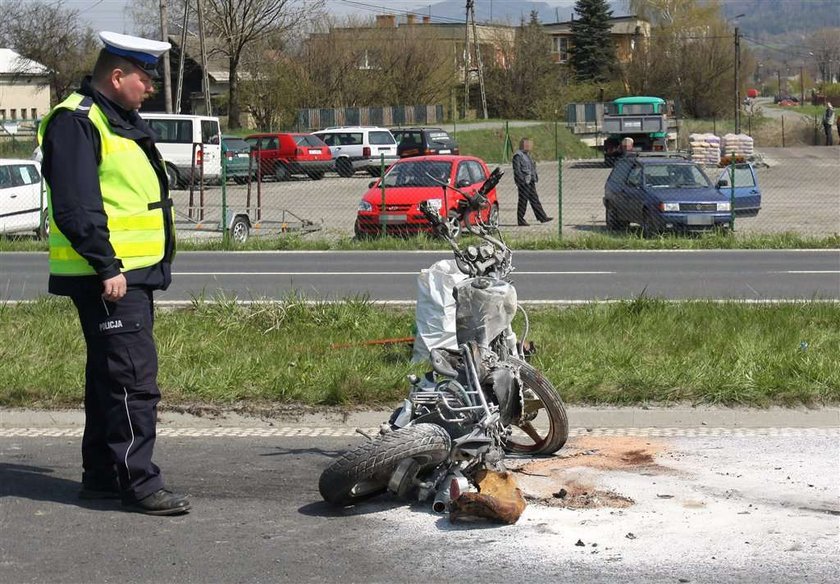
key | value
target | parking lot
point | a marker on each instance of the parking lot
(799, 187)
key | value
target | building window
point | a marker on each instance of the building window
(13, 113)
(2, 114)
(561, 48)
(34, 113)
(23, 113)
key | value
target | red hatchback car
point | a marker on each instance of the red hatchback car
(283, 154)
(409, 182)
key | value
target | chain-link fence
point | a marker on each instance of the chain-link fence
(779, 190)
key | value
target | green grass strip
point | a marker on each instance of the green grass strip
(296, 352)
(631, 240)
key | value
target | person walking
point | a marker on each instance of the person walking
(525, 176)
(111, 244)
(828, 123)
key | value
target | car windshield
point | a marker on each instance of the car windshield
(418, 174)
(379, 137)
(439, 137)
(675, 176)
(309, 140)
(235, 144)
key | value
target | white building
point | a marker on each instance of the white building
(24, 90)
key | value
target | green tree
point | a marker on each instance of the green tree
(524, 76)
(593, 52)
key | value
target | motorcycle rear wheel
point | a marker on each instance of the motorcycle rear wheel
(537, 439)
(364, 472)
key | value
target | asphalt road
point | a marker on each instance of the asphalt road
(689, 504)
(551, 276)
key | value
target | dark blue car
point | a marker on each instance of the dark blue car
(675, 194)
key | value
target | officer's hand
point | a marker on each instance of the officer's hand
(114, 288)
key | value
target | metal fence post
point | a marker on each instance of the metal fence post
(382, 188)
(732, 194)
(225, 234)
(783, 131)
(560, 196)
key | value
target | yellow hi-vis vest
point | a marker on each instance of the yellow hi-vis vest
(129, 186)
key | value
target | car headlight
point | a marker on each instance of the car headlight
(668, 207)
(365, 206)
(724, 206)
(435, 204)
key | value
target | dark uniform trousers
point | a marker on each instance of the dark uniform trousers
(528, 194)
(121, 392)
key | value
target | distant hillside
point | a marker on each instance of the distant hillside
(768, 18)
(762, 18)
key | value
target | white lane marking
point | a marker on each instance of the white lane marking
(516, 273)
(808, 272)
(315, 432)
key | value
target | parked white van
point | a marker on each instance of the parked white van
(179, 136)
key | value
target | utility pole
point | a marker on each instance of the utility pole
(480, 65)
(167, 75)
(467, 61)
(205, 78)
(737, 81)
(182, 57)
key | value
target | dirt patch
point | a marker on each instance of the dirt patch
(567, 480)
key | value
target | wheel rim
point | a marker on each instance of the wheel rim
(280, 172)
(239, 233)
(454, 223)
(493, 219)
(534, 428)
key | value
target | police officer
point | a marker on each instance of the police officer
(111, 245)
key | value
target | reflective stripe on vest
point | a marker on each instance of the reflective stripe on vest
(129, 185)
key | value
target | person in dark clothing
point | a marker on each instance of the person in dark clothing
(525, 176)
(828, 123)
(112, 242)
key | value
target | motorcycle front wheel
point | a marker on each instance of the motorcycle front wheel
(543, 427)
(364, 472)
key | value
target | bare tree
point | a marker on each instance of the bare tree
(241, 23)
(824, 45)
(52, 35)
(237, 26)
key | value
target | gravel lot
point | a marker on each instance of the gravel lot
(799, 187)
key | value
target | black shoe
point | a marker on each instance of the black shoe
(161, 502)
(523, 223)
(100, 490)
(547, 219)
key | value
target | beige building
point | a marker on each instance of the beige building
(626, 31)
(357, 39)
(24, 91)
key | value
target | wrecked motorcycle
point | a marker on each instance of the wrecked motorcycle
(478, 402)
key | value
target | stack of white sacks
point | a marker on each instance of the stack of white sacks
(737, 145)
(705, 148)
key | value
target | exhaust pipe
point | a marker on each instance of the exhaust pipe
(451, 488)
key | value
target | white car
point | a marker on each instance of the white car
(359, 148)
(23, 201)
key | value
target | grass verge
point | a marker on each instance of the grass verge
(631, 240)
(294, 352)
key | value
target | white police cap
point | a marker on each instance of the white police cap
(142, 52)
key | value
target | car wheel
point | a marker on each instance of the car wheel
(315, 175)
(650, 225)
(44, 229)
(172, 177)
(344, 168)
(454, 222)
(240, 180)
(240, 230)
(375, 172)
(493, 216)
(614, 223)
(281, 171)
(360, 235)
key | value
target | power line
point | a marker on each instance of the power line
(385, 9)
